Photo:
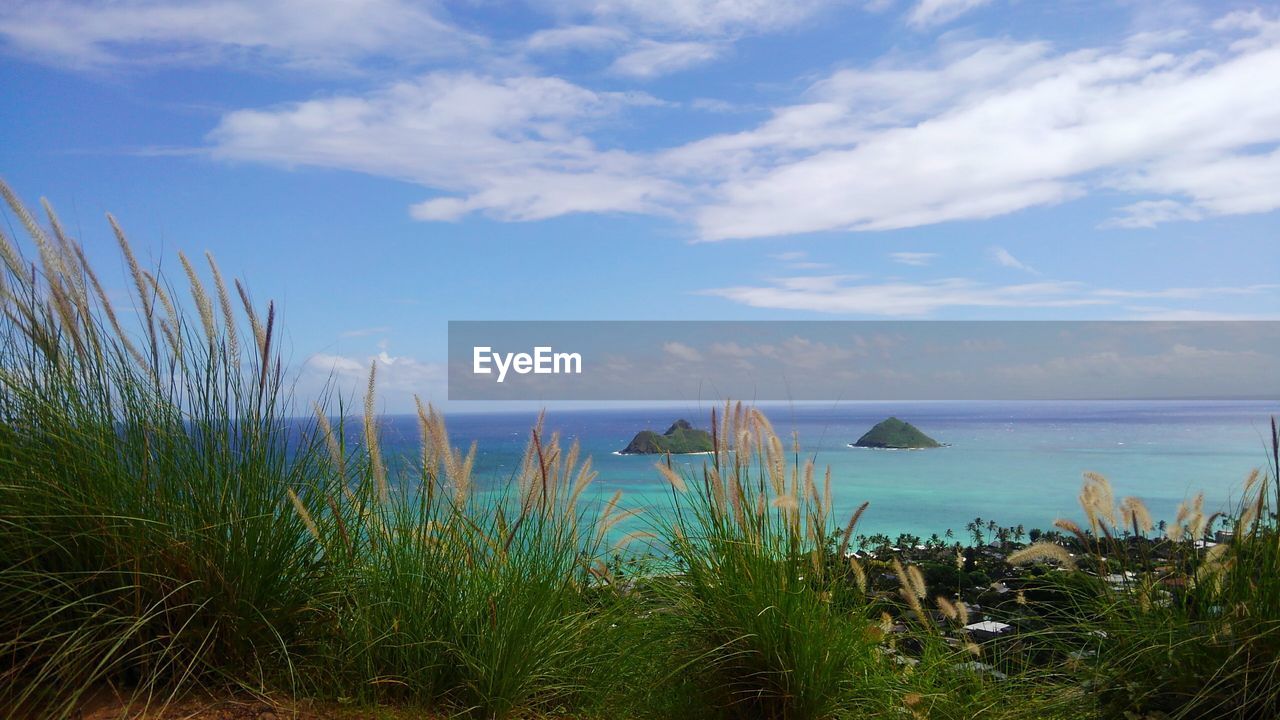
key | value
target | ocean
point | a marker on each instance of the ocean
(1017, 463)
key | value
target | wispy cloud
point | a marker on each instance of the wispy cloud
(836, 294)
(311, 34)
(1004, 258)
(929, 13)
(849, 295)
(913, 258)
(694, 17)
(575, 37)
(651, 58)
(514, 147)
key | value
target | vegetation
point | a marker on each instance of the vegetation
(168, 528)
(679, 439)
(897, 435)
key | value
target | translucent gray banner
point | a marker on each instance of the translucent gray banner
(835, 360)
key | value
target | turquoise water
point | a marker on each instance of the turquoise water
(1012, 462)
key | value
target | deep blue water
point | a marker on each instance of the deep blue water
(1013, 462)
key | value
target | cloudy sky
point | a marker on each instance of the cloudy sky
(380, 167)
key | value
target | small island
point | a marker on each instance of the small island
(679, 439)
(894, 434)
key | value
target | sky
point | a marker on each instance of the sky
(381, 167)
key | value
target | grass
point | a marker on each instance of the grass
(169, 528)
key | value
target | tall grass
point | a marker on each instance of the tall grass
(494, 604)
(770, 616)
(165, 525)
(759, 616)
(1193, 628)
(142, 473)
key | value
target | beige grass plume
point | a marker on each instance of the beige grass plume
(1134, 514)
(204, 307)
(224, 303)
(371, 436)
(1042, 551)
(675, 479)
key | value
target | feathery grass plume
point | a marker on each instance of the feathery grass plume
(224, 303)
(1177, 528)
(907, 590)
(917, 581)
(166, 303)
(204, 306)
(631, 537)
(108, 309)
(826, 492)
(1041, 551)
(430, 454)
(1215, 563)
(64, 246)
(787, 503)
(1069, 526)
(371, 435)
(1251, 481)
(32, 227)
(847, 535)
(671, 476)
(144, 295)
(1196, 517)
(1248, 525)
(1134, 514)
(303, 514)
(586, 476)
(71, 279)
(947, 607)
(610, 518)
(859, 575)
(330, 441)
(259, 332)
(1098, 501)
(8, 251)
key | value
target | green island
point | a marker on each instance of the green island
(681, 438)
(176, 543)
(894, 434)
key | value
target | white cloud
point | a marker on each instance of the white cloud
(976, 130)
(1004, 258)
(1150, 213)
(843, 294)
(680, 351)
(913, 258)
(513, 147)
(651, 58)
(324, 34)
(990, 128)
(575, 37)
(834, 294)
(697, 17)
(398, 378)
(928, 13)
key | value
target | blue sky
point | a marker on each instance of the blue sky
(379, 167)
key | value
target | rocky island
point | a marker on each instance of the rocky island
(895, 434)
(680, 438)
